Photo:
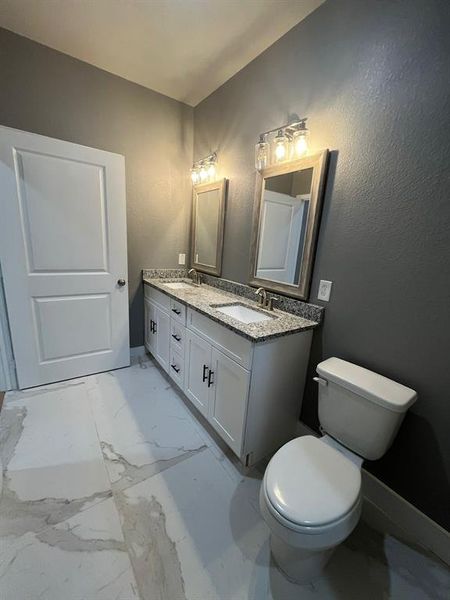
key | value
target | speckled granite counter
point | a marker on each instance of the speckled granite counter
(205, 299)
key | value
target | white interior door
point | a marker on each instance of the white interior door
(281, 229)
(63, 251)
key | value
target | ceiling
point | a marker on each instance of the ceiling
(184, 49)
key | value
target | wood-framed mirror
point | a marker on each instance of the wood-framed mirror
(288, 201)
(208, 220)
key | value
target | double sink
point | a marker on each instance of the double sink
(236, 310)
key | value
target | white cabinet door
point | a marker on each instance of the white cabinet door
(228, 399)
(149, 319)
(198, 358)
(64, 257)
(162, 346)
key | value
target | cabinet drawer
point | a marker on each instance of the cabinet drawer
(177, 336)
(158, 297)
(178, 311)
(231, 344)
(176, 367)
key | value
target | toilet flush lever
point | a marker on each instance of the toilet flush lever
(320, 381)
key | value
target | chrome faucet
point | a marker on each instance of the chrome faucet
(265, 301)
(196, 277)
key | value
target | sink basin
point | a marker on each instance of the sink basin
(243, 313)
(179, 285)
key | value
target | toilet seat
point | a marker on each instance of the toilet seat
(310, 487)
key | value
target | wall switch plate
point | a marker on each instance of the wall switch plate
(182, 259)
(324, 290)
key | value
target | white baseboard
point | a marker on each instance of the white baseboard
(388, 512)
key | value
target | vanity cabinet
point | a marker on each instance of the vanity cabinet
(218, 388)
(250, 393)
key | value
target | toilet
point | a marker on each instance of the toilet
(311, 492)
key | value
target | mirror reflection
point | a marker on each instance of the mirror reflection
(207, 217)
(283, 224)
(207, 227)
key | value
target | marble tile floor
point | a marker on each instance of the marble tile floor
(113, 490)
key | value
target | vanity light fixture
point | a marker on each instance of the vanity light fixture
(290, 142)
(205, 169)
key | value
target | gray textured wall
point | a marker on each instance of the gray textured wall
(50, 93)
(373, 79)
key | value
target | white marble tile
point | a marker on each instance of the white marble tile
(195, 527)
(58, 437)
(52, 460)
(83, 558)
(143, 425)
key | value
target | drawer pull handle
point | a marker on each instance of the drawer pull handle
(176, 311)
(176, 337)
(205, 373)
(210, 380)
(175, 368)
(152, 326)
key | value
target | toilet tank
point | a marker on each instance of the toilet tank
(359, 408)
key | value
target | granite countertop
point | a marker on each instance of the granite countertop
(204, 299)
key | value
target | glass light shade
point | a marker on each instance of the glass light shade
(280, 147)
(195, 176)
(261, 153)
(300, 142)
(211, 171)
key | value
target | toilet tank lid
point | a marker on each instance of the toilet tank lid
(370, 385)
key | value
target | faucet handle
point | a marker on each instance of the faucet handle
(270, 300)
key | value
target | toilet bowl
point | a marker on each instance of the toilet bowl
(310, 496)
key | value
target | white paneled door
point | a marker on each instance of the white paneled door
(64, 257)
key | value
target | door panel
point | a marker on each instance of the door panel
(198, 356)
(60, 198)
(72, 325)
(63, 250)
(228, 403)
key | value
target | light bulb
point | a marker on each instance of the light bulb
(300, 142)
(261, 153)
(281, 145)
(195, 177)
(203, 173)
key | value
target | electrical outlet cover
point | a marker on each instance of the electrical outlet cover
(324, 290)
(182, 259)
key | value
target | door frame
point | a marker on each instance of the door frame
(8, 380)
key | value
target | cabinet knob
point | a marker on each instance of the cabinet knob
(121, 282)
